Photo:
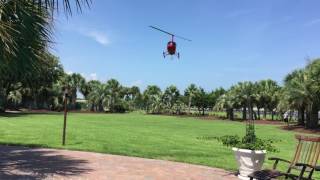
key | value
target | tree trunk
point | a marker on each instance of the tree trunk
(3, 101)
(244, 113)
(301, 117)
(255, 115)
(202, 111)
(189, 105)
(258, 113)
(272, 115)
(264, 113)
(313, 122)
(250, 112)
(230, 115)
(92, 107)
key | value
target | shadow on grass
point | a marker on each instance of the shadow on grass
(21, 114)
(25, 163)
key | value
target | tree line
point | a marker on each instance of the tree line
(45, 90)
(31, 77)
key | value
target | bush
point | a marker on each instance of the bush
(249, 141)
(119, 108)
(257, 144)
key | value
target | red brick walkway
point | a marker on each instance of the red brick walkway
(26, 163)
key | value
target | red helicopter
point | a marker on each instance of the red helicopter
(171, 46)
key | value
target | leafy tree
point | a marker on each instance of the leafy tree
(267, 96)
(25, 34)
(301, 92)
(171, 96)
(313, 83)
(152, 98)
(245, 97)
(114, 89)
(133, 97)
(215, 95)
(226, 102)
(201, 100)
(73, 83)
(190, 93)
(97, 95)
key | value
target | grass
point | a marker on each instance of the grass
(150, 136)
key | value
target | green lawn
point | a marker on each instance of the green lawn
(159, 137)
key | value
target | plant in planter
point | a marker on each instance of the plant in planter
(250, 151)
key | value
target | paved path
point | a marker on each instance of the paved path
(37, 163)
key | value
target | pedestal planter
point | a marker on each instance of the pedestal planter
(248, 161)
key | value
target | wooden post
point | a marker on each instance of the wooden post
(65, 118)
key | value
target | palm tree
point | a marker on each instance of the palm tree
(53, 5)
(171, 96)
(114, 94)
(132, 96)
(301, 92)
(201, 100)
(245, 94)
(226, 102)
(190, 92)
(25, 33)
(15, 97)
(14, 14)
(152, 98)
(73, 83)
(267, 96)
(313, 74)
(98, 98)
(296, 93)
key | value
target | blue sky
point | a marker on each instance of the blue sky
(232, 41)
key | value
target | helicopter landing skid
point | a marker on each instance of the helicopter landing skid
(165, 54)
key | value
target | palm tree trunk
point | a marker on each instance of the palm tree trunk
(258, 113)
(265, 112)
(244, 113)
(3, 100)
(230, 114)
(313, 122)
(189, 105)
(301, 117)
(250, 108)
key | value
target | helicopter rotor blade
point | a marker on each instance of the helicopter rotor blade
(180, 37)
(161, 30)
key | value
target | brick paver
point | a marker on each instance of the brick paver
(38, 163)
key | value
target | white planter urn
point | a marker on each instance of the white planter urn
(248, 161)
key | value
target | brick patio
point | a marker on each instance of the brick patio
(39, 163)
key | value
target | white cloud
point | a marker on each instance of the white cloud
(69, 72)
(312, 22)
(98, 36)
(136, 83)
(93, 76)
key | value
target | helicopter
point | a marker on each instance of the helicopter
(171, 45)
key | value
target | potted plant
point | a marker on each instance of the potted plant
(249, 151)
